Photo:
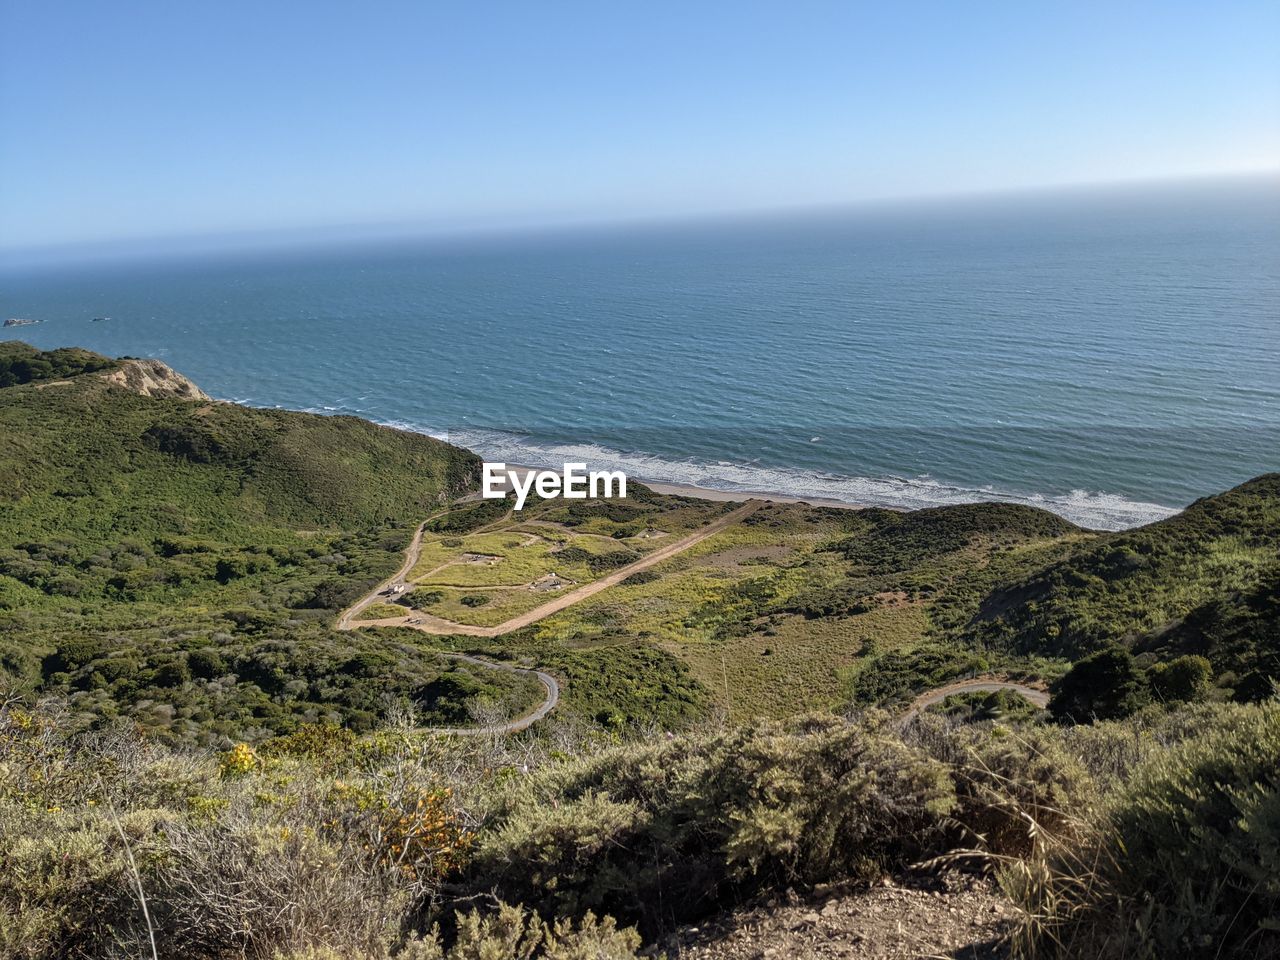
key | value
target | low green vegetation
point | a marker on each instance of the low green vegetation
(1125, 587)
(1151, 837)
(1178, 859)
(20, 363)
(180, 563)
(181, 723)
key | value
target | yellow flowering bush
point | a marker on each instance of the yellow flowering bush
(418, 833)
(424, 836)
(239, 760)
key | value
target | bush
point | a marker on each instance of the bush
(1186, 860)
(206, 663)
(420, 599)
(641, 577)
(1200, 831)
(660, 832)
(511, 933)
(1106, 685)
(603, 562)
(1182, 680)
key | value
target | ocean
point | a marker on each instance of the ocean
(1109, 355)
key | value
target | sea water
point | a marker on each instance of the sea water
(1109, 355)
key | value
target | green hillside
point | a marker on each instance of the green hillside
(23, 363)
(1133, 586)
(180, 719)
(180, 562)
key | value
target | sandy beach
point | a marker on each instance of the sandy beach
(705, 493)
(720, 496)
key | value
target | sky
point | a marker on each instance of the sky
(153, 118)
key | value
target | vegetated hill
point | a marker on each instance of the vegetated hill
(952, 556)
(181, 561)
(1239, 633)
(90, 442)
(891, 541)
(1001, 586)
(22, 363)
(1176, 576)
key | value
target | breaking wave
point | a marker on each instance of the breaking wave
(1096, 510)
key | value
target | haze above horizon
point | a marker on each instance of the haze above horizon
(146, 119)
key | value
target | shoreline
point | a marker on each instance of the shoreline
(739, 496)
(717, 496)
(1100, 521)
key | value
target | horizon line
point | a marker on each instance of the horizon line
(278, 239)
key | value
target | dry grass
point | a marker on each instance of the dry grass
(797, 665)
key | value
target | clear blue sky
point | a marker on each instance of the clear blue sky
(143, 118)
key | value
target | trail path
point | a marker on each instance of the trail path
(435, 625)
(438, 626)
(441, 627)
(548, 703)
(1039, 698)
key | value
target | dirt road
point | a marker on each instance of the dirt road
(441, 627)
(426, 623)
(1039, 698)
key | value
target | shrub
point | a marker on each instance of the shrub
(641, 577)
(244, 886)
(1186, 861)
(1184, 679)
(1200, 831)
(239, 760)
(1106, 685)
(660, 832)
(420, 599)
(511, 933)
(614, 560)
(327, 745)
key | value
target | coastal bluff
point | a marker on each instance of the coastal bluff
(153, 378)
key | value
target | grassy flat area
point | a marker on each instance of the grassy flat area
(519, 561)
(714, 607)
(798, 665)
(797, 608)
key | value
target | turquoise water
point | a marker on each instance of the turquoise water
(1109, 356)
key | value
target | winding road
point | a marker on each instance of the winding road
(438, 626)
(548, 704)
(922, 702)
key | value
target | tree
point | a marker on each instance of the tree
(1184, 679)
(1106, 685)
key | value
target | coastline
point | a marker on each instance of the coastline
(717, 496)
(738, 496)
(1154, 512)
(1090, 510)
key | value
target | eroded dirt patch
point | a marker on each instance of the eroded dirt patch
(958, 917)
